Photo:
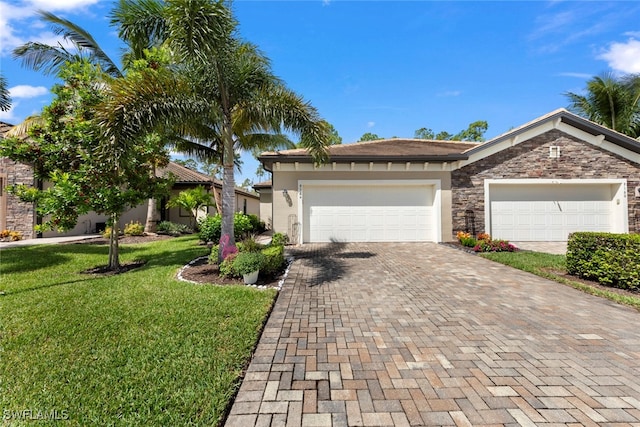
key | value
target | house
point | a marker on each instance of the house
(266, 199)
(20, 216)
(555, 175)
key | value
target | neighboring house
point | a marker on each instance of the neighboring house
(266, 199)
(555, 175)
(19, 216)
(246, 202)
(14, 214)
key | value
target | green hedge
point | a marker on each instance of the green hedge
(243, 225)
(610, 259)
(273, 263)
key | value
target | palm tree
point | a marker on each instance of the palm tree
(5, 96)
(229, 95)
(611, 102)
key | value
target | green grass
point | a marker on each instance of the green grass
(552, 267)
(139, 348)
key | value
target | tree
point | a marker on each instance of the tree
(5, 96)
(334, 137)
(611, 102)
(188, 163)
(474, 132)
(222, 90)
(192, 200)
(368, 136)
(67, 149)
(246, 184)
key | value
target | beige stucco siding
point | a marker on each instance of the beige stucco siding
(285, 205)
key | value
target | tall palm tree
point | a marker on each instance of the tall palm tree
(611, 102)
(228, 91)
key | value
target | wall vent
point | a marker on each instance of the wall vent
(554, 151)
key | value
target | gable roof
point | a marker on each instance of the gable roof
(4, 128)
(184, 175)
(383, 150)
(562, 115)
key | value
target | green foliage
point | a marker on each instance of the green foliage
(66, 148)
(368, 136)
(249, 244)
(248, 262)
(134, 229)
(172, 228)
(274, 259)
(494, 246)
(279, 239)
(192, 200)
(244, 225)
(611, 259)
(468, 241)
(474, 132)
(226, 266)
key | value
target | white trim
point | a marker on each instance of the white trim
(437, 197)
(620, 198)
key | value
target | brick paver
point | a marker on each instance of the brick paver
(421, 334)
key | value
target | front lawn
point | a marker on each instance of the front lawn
(553, 267)
(139, 348)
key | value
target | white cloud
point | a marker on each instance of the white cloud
(449, 93)
(371, 124)
(61, 4)
(577, 75)
(624, 57)
(26, 91)
(9, 116)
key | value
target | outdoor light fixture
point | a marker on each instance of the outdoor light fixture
(285, 192)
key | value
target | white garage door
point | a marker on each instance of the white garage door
(368, 213)
(549, 212)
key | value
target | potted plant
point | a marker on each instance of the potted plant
(248, 265)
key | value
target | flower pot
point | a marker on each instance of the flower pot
(251, 278)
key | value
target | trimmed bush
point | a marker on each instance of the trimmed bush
(211, 227)
(279, 239)
(274, 259)
(134, 229)
(248, 262)
(610, 259)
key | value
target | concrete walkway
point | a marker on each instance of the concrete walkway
(423, 334)
(47, 241)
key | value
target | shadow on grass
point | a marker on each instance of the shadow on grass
(328, 261)
(38, 288)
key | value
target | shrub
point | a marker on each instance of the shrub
(466, 239)
(274, 259)
(494, 246)
(226, 267)
(172, 228)
(213, 256)
(211, 227)
(248, 262)
(611, 259)
(257, 225)
(134, 229)
(249, 244)
(279, 239)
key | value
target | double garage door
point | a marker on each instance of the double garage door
(549, 212)
(369, 212)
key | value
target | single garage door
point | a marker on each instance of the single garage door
(549, 212)
(368, 213)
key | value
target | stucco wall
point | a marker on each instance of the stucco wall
(16, 215)
(530, 159)
(266, 201)
(285, 206)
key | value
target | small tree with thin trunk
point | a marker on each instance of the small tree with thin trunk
(68, 149)
(192, 200)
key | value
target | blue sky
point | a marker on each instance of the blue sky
(390, 67)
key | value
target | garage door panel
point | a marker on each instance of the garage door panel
(550, 212)
(368, 213)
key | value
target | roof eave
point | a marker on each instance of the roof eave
(269, 160)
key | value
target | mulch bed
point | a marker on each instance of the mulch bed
(202, 272)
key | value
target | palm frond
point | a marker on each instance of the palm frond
(5, 96)
(43, 57)
(21, 130)
(141, 24)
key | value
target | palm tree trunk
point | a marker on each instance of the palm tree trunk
(114, 255)
(152, 211)
(227, 240)
(216, 197)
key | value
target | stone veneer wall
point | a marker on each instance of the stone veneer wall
(20, 216)
(530, 159)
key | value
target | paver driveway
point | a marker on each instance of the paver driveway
(422, 334)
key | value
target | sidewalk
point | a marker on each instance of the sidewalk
(47, 241)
